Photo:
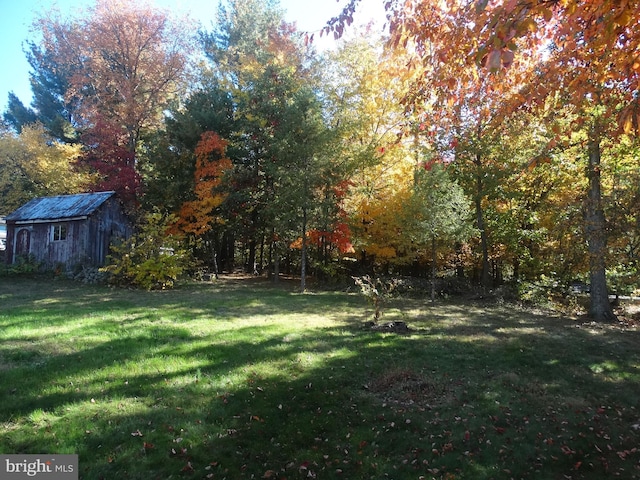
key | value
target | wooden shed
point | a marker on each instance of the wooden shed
(67, 230)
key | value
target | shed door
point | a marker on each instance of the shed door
(23, 241)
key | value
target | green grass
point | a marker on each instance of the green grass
(240, 379)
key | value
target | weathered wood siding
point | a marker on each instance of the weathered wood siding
(87, 240)
(106, 227)
(50, 252)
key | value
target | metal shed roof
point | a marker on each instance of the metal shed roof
(59, 207)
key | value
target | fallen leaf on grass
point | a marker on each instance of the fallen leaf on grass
(623, 455)
(178, 453)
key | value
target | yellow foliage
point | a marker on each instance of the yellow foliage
(47, 165)
(378, 208)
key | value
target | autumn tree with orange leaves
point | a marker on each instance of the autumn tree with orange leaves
(198, 216)
(200, 219)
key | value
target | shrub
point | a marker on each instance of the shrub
(25, 264)
(151, 259)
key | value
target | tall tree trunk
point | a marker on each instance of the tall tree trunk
(228, 251)
(459, 261)
(485, 278)
(434, 258)
(276, 263)
(216, 245)
(595, 230)
(270, 254)
(250, 267)
(261, 264)
(303, 260)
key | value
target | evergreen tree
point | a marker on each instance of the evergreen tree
(17, 115)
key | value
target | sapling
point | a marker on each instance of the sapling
(376, 290)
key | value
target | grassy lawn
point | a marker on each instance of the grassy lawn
(240, 379)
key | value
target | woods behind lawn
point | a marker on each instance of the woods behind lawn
(240, 379)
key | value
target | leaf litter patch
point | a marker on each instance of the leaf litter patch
(405, 387)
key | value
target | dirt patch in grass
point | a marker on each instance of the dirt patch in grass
(4, 365)
(405, 387)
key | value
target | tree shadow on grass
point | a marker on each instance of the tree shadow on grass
(472, 393)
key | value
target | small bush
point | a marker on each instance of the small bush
(538, 293)
(24, 265)
(151, 259)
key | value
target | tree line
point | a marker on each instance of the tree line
(490, 141)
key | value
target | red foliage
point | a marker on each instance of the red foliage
(340, 234)
(341, 189)
(108, 156)
(340, 237)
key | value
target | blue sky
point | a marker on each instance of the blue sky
(16, 17)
